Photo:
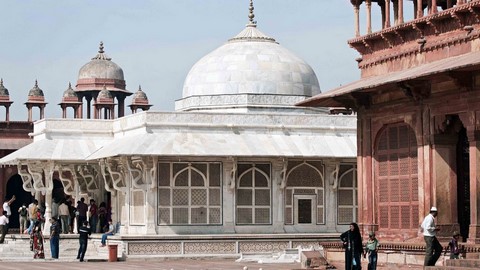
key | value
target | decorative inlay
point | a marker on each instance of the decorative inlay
(209, 248)
(262, 246)
(154, 248)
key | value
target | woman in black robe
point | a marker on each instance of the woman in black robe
(352, 242)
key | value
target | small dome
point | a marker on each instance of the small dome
(101, 67)
(35, 91)
(3, 90)
(139, 96)
(69, 93)
(104, 94)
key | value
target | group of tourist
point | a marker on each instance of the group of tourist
(354, 248)
(90, 219)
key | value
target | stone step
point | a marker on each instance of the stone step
(472, 263)
(17, 247)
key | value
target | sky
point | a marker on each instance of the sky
(156, 42)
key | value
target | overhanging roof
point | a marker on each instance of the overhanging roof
(244, 145)
(71, 150)
(330, 99)
(190, 144)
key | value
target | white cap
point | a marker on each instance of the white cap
(433, 209)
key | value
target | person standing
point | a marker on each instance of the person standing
(6, 208)
(32, 214)
(371, 248)
(102, 216)
(54, 238)
(111, 231)
(453, 246)
(352, 242)
(93, 216)
(433, 249)
(84, 232)
(3, 224)
(82, 209)
(64, 214)
(6, 205)
(36, 241)
(22, 218)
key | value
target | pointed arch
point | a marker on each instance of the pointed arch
(253, 194)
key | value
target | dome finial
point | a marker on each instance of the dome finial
(251, 15)
(1, 81)
(100, 50)
(69, 84)
(101, 53)
(139, 87)
(36, 83)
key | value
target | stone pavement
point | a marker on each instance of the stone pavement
(167, 264)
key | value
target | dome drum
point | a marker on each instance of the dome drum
(96, 84)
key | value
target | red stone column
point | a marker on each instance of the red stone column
(444, 182)
(474, 229)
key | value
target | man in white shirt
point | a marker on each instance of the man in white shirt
(3, 226)
(433, 249)
(6, 205)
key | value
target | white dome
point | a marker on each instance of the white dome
(251, 65)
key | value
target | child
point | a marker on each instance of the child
(371, 248)
(453, 246)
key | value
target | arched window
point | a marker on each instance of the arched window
(396, 178)
(189, 193)
(253, 194)
(304, 193)
(347, 194)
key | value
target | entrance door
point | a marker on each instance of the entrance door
(305, 209)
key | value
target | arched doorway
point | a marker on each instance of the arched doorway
(14, 187)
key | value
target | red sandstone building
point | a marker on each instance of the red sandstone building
(418, 110)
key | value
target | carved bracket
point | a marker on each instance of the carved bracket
(283, 175)
(106, 177)
(416, 90)
(117, 173)
(26, 179)
(142, 171)
(88, 173)
(232, 176)
(68, 177)
(462, 79)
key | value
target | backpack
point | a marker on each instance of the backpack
(23, 212)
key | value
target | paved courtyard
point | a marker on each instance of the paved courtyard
(179, 264)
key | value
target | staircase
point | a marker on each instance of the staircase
(458, 264)
(17, 248)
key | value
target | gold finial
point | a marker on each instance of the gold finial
(251, 15)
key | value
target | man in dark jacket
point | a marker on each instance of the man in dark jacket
(84, 232)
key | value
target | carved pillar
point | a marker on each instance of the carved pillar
(48, 171)
(433, 8)
(331, 193)
(356, 10)
(229, 178)
(366, 181)
(387, 14)
(368, 3)
(419, 9)
(279, 170)
(444, 181)
(474, 228)
(400, 12)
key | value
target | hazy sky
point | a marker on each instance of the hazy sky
(156, 42)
